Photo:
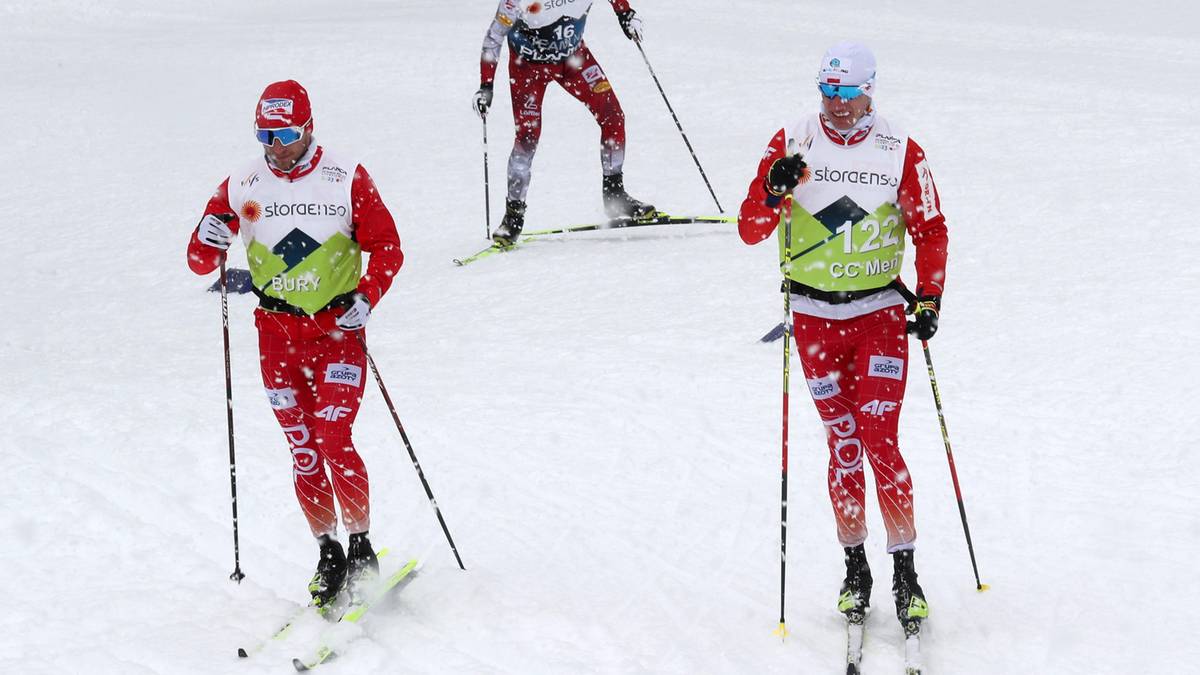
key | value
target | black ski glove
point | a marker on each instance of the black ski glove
(483, 98)
(785, 175)
(925, 316)
(630, 25)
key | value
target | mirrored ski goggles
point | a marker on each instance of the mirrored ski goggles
(286, 135)
(843, 91)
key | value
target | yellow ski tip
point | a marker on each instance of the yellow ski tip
(983, 587)
(782, 631)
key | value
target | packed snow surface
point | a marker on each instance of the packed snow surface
(595, 414)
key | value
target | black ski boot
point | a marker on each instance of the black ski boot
(514, 220)
(618, 203)
(911, 608)
(855, 598)
(364, 567)
(331, 574)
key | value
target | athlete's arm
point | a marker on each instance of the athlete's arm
(376, 233)
(506, 15)
(922, 209)
(760, 211)
(203, 258)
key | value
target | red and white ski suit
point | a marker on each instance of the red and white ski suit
(314, 373)
(855, 353)
(546, 45)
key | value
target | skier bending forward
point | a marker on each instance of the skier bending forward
(545, 44)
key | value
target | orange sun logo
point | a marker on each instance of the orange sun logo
(251, 211)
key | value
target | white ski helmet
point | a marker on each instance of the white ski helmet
(848, 64)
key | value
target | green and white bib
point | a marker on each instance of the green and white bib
(847, 230)
(299, 235)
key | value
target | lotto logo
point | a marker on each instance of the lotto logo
(886, 366)
(343, 373)
(282, 399)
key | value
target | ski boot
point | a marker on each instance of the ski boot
(510, 228)
(855, 598)
(364, 568)
(911, 608)
(331, 574)
(618, 203)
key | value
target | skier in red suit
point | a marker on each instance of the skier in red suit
(850, 186)
(545, 39)
(306, 216)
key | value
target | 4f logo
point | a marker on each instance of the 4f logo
(879, 408)
(332, 413)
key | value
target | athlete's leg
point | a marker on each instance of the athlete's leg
(582, 77)
(826, 352)
(284, 363)
(881, 362)
(339, 376)
(527, 84)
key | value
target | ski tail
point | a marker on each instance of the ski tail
(855, 632)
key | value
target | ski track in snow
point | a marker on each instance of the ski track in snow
(594, 413)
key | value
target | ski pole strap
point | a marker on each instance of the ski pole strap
(843, 297)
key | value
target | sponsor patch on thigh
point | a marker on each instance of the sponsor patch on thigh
(592, 74)
(886, 366)
(282, 399)
(823, 388)
(344, 373)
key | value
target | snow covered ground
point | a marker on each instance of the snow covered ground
(595, 414)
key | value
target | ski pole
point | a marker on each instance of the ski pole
(412, 455)
(237, 566)
(787, 371)
(962, 511)
(487, 191)
(678, 125)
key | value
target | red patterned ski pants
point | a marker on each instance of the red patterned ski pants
(315, 381)
(856, 371)
(583, 78)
